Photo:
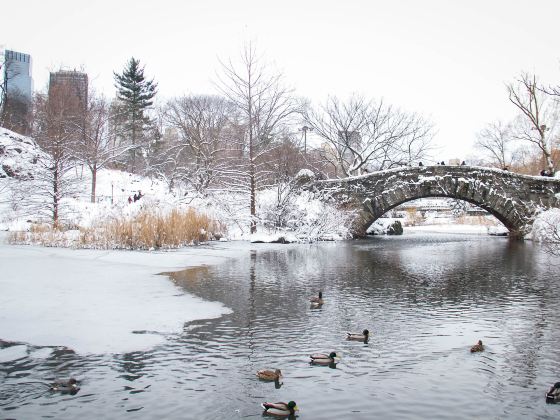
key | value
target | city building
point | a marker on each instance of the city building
(17, 75)
(72, 82)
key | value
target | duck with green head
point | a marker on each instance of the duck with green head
(323, 359)
(280, 409)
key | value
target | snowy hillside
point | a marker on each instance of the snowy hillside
(304, 217)
(19, 155)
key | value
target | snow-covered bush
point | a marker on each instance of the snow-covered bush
(303, 214)
(546, 230)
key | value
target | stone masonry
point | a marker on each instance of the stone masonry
(512, 198)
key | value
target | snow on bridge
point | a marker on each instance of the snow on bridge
(512, 198)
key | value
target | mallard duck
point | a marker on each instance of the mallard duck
(553, 394)
(269, 375)
(280, 408)
(323, 359)
(317, 300)
(477, 347)
(364, 336)
(68, 387)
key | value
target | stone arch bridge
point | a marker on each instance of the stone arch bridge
(512, 198)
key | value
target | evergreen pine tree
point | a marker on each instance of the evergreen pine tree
(135, 94)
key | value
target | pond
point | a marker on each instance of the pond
(425, 298)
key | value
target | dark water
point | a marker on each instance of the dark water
(425, 298)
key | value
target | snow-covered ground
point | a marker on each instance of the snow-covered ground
(93, 301)
(457, 228)
(306, 217)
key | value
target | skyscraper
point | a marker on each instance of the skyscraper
(72, 83)
(17, 74)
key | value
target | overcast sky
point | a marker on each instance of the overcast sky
(446, 59)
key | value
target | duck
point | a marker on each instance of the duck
(280, 408)
(269, 375)
(317, 300)
(323, 359)
(477, 347)
(364, 336)
(67, 387)
(553, 394)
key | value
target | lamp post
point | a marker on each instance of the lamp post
(304, 129)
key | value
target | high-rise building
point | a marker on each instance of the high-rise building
(72, 82)
(17, 75)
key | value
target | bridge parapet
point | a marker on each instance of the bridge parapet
(512, 198)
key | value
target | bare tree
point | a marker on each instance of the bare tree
(96, 148)
(203, 127)
(495, 140)
(365, 135)
(56, 132)
(263, 104)
(538, 123)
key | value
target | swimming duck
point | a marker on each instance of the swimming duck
(317, 300)
(477, 347)
(553, 394)
(280, 408)
(269, 375)
(68, 387)
(364, 336)
(323, 359)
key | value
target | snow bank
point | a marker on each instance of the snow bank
(546, 227)
(449, 228)
(98, 301)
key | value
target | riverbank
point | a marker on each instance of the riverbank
(94, 301)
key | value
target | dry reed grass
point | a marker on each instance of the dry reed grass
(149, 229)
(41, 234)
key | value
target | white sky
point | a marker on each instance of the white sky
(446, 59)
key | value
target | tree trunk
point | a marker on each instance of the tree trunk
(133, 145)
(253, 200)
(55, 198)
(93, 182)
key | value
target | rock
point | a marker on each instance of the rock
(395, 228)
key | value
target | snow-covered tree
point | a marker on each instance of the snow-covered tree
(263, 104)
(546, 230)
(134, 94)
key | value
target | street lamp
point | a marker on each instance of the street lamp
(305, 129)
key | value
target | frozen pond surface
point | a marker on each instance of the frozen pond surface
(98, 301)
(426, 298)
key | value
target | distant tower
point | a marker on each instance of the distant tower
(17, 75)
(74, 83)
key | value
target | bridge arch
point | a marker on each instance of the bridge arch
(512, 198)
(498, 215)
